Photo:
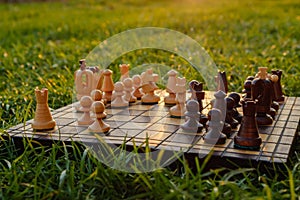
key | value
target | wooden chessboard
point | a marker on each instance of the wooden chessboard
(133, 124)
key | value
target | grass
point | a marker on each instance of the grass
(41, 43)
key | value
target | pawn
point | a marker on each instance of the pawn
(137, 83)
(214, 134)
(128, 88)
(99, 126)
(119, 100)
(85, 102)
(97, 96)
(192, 113)
(229, 113)
(247, 89)
(279, 96)
(170, 99)
(236, 115)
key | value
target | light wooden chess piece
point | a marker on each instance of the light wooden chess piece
(192, 114)
(124, 69)
(97, 96)
(170, 99)
(128, 89)
(43, 119)
(119, 100)
(108, 85)
(137, 83)
(278, 94)
(84, 80)
(179, 109)
(99, 126)
(85, 119)
(214, 134)
(149, 86)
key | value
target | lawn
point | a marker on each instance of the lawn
(41, 43)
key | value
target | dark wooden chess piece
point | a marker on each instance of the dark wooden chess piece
(248, 136)
(279, 96)
(229, 113)
(274, 104)
(247, 89)
(198, 94)
(221, 80)
(192, 114)
(261, 91)
(237, 98)
(214, 135)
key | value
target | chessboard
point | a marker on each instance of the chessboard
(133, 124)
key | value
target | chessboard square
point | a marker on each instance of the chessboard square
(282, 117)
(276, 131)
(160, 108)
(283, 149)
(289, 132)
(141, 107)
(114, 124)
(279, 155)
(129, 112)
(296, 109)
(280, 124)
(174, 146)
(181, 131)
(185, 139)
(72, 115)
(125, 133)
(171, 120)
(64, 121)
(146, 119)
(164, 127)
(120, 118)
(285, 112)
(294, 118)
(269, 147)
(264, 137)
(273, 138)
(240, 156)
(113, 111)
(286, 140)
(153, 135)
(153, 113)
(135, 125)
(292, 125)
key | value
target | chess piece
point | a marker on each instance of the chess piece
(279, 96)
(261, 91)
(170, 99)
(229, 113)
(248, 136)
(179, 109)
(137, 83)
(84, 80)
(236, 97)
(43, 119)
(192, 114)
(108, 85)
(124, 69)
(85, 119)
(214, 135)
(128, 88)
(97, 96)
(220, 104)
(119, 100)
(149, 86)
(274, 104)
(247, 89)
(98, 126)
(198, 94)
(222, 83)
